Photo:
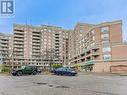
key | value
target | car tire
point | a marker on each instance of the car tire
(13, 74)
(57, 74)
(34, 73)
(19, 73)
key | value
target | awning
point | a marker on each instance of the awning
(89, 63)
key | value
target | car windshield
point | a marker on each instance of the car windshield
(23, 67)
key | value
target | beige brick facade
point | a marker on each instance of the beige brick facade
(39, 45)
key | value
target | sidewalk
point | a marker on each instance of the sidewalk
(103, 73)
(5, 74)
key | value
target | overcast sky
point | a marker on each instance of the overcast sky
(66, 13)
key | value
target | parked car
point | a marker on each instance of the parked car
(28, 69)
(65, 71)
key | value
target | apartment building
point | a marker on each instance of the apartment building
(5, 46)
(97, 47)
(39, 45)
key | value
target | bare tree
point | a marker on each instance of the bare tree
(49, 57)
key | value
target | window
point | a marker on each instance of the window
(105, 29)
(105, 36)
(107, 49)
(106, 45)
(81, 30)
(92, 31)
(49, 43)
(93, 38)
(80, 34)
(49, 30)
(107, 57)
(93, 44)
(105, 42)
(45, 39)
(45, 29)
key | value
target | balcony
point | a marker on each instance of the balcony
(4, 41)
(17, 55)
(4, 45)
(88, 58)
(95, 47)
(88, 52)
(36, 33)
(36, 47)
(56, 37)
(18, 39)
(20, 46)
(4, 49)
(35, 43)
(36, 51)
(95, 52)
(18, 43)
(83, 54)
(96, 57)
(18, 50)
(57, 34)
(17, 31)
(83, 60)
(18, 36)
(36, 38)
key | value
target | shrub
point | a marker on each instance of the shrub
(55, 66)
(5, 69)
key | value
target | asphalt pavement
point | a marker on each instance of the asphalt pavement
(82, 84)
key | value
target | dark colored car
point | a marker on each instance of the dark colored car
(65, 71)
(25, 70)
(52, 71)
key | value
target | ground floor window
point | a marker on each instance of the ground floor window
(88, 68)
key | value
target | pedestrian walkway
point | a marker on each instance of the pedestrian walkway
(102, 74)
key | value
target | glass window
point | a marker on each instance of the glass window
(104, 36)
(61, 69)
(105, 42)
(45, 29)
(106, 45)
(49, 30)
(81, 30)
(105, 29)
(107, 57)
(92, 31)
(93, 44)
(80, 34)
(23, 67)
(93, 38)
(107, 49)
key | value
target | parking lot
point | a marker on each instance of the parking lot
(82, 84)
